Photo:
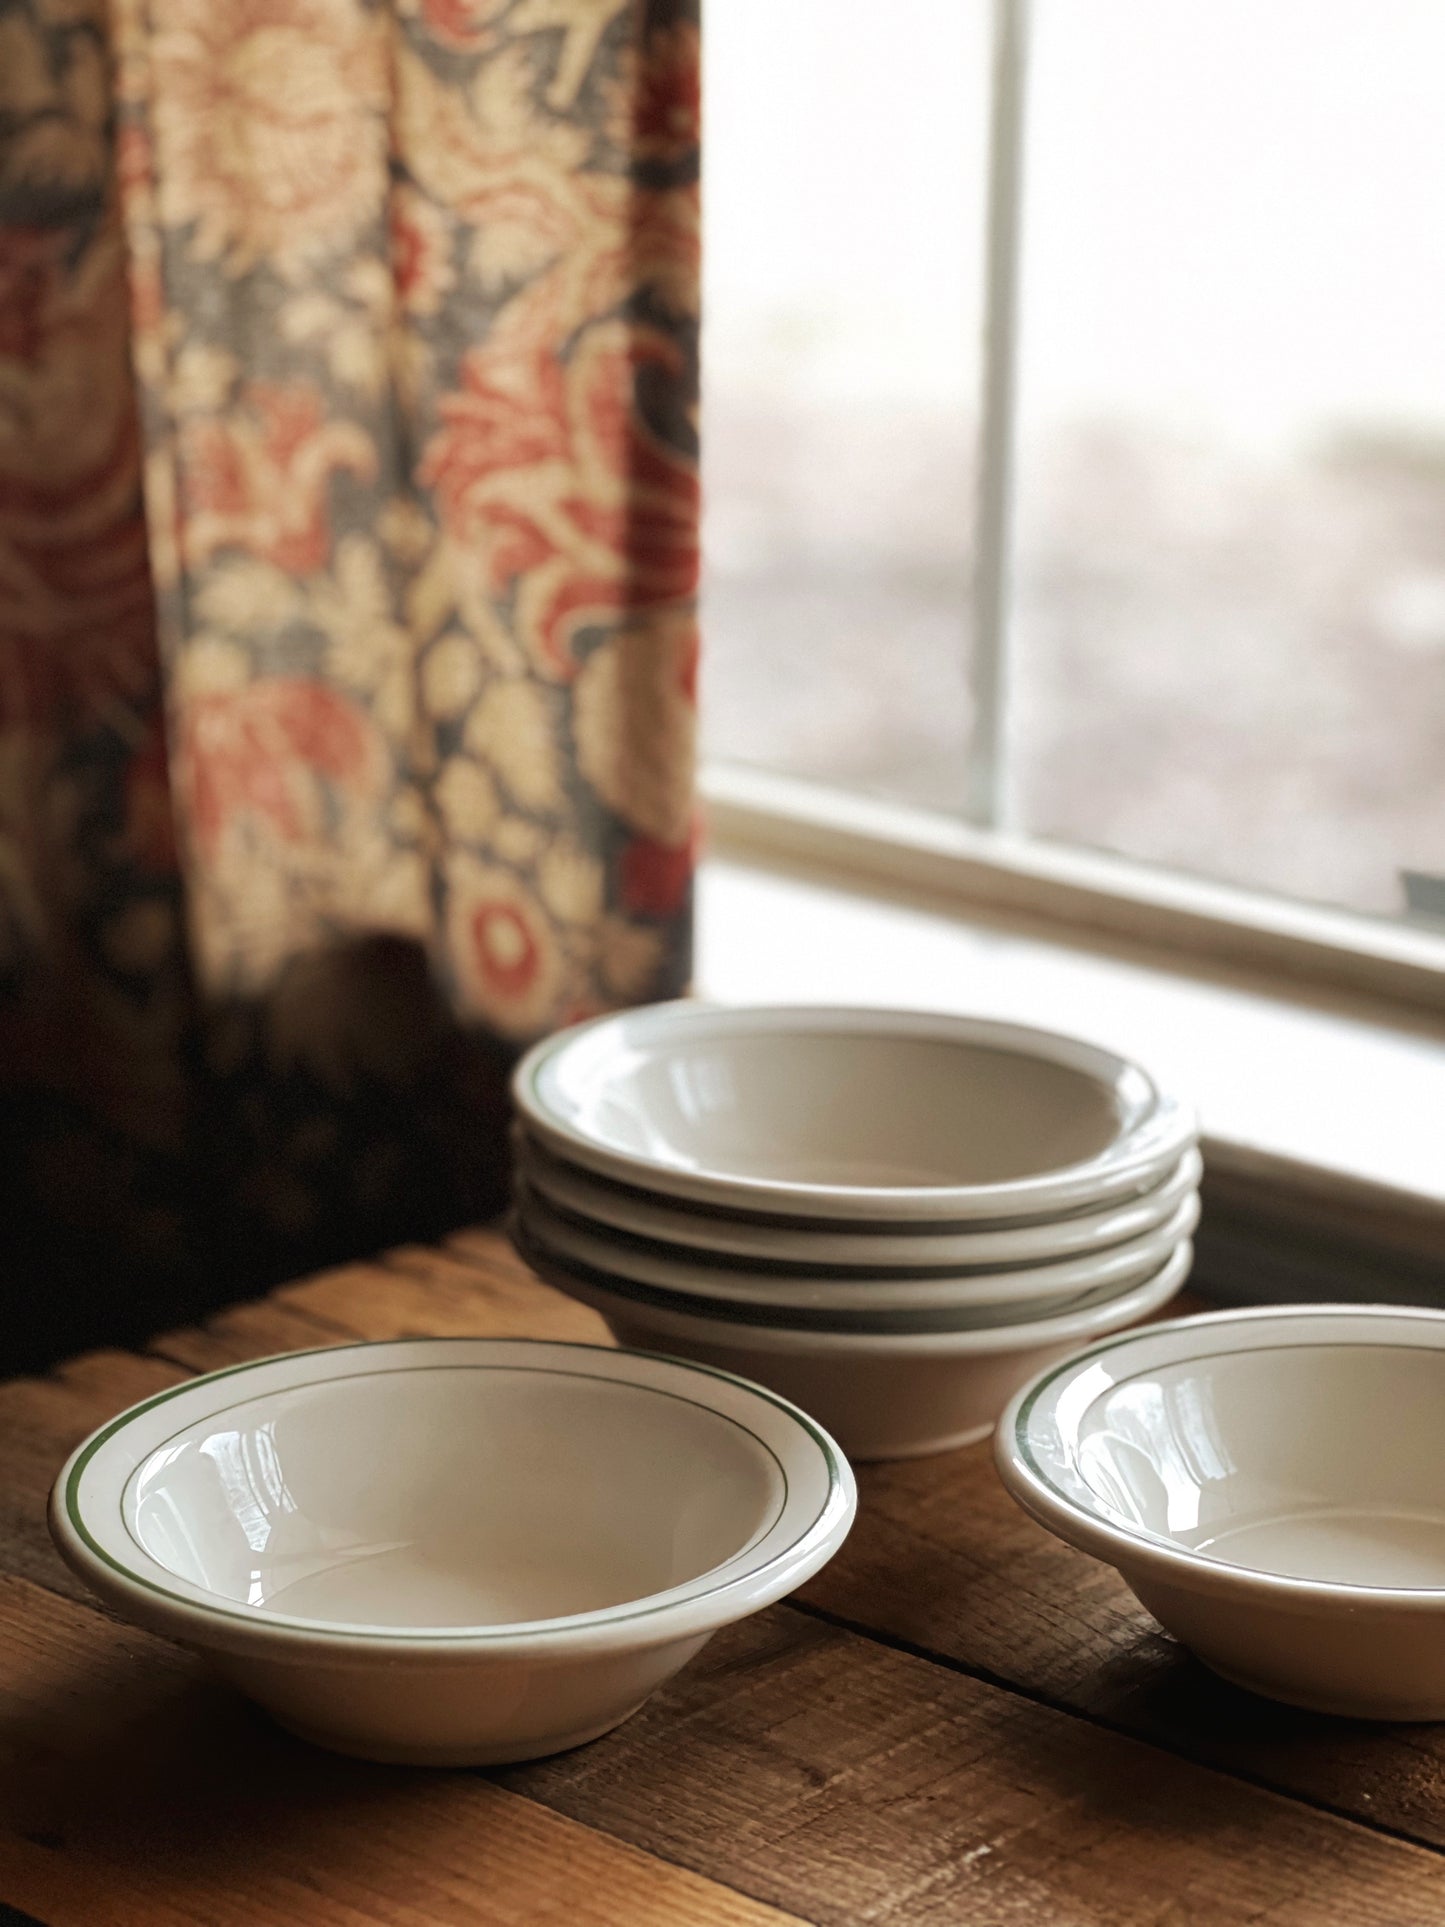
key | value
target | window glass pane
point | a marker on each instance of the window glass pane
(844, 214)
(1230, 616)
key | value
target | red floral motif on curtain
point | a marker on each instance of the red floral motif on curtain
(362, 751)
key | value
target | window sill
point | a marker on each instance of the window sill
(1322, 1111)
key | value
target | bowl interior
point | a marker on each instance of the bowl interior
(453, 1497)
(1320, 1461)
(837, 1107)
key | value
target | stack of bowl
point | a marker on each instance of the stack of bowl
(891, 1218)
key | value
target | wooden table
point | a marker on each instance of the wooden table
(960, 1721)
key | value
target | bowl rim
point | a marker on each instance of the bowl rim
(856, 1247)
(1159, 1132)
(1058, 1497)
(739, 1334)
(143, 1589)
(1012, 1292)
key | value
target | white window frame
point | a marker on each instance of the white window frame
(978, 860)
(944, 862)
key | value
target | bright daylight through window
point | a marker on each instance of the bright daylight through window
(1225, 636)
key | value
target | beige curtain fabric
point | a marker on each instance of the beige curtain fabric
(348, 543)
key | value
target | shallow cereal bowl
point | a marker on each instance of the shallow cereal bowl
(1271, 1485)
(453, 1551)
(879, 1115)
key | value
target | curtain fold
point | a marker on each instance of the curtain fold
(348, 548)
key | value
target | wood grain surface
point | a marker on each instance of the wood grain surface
(960, 1721)
(137, 1790)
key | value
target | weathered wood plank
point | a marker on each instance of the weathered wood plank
(816, 1771)
(942, 1560)
(136, 1792)
(246, 1331)
(824, 1772)
(486, 1247)
(415, 1292)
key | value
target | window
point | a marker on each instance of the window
(1189, 607)
(841, 365)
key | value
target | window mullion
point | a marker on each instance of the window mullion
(987, 786)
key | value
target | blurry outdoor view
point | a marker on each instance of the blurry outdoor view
(1228, 640)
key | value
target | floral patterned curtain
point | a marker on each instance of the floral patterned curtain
(348, 517)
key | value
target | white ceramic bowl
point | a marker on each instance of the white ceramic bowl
(1271, 1484)
(452, 1551)
(950, 1301)
(890, 1396)
(850, 1114)
(615, 1207)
